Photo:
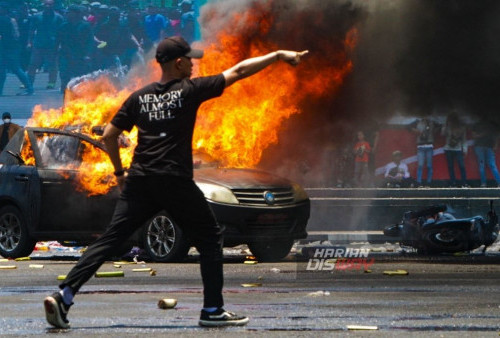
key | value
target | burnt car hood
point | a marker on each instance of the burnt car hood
(239, 178)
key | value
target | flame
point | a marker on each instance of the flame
(235, 128)
(91, 103)
(27, 151)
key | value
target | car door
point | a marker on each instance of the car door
(19, 181)
(66, 210)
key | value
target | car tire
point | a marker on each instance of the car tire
(15, 240)
(163, 240)
(268, 251)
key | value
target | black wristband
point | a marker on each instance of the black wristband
(119, 173)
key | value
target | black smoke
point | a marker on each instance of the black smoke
(452, 61)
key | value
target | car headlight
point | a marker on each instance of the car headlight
(217, 193)
(299, 194)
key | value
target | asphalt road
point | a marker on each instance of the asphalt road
(440, 296)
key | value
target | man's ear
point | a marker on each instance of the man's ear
(178, 62)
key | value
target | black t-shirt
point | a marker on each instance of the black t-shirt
(165, 116)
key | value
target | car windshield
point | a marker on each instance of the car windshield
(204, 160)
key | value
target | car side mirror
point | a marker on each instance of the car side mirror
(17, 156)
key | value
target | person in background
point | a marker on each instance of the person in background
(42, 42)
(371, 130)
(75, 40)
(485, 144)
(7, 130)
(120, 44)
(455, 147)
(397, 174)
(91, 16)
(10, 51)
(155, 24)
(135, 19)
(362, 150)
(425, 129)
(23, 18)
(188, 20)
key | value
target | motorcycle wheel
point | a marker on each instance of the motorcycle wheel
(445, 240)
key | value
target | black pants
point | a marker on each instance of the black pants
(142, 198)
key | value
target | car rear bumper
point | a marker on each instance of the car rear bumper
(244, 224)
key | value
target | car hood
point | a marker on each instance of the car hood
(239, 178)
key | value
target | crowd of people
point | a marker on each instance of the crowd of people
(73, 40)
(354, 163)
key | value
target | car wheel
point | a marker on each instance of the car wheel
(270, 250)
(163, 240)
(15, 240)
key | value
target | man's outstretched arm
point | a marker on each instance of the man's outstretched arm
(253, 65)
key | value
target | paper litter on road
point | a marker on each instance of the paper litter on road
(318, 294)
(396, 272)
(36, 266)
(361, 327)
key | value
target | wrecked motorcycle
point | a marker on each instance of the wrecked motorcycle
(433, 230)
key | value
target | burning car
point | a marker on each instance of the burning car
(45, 195)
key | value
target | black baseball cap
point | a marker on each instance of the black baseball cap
(6, 115)
(173, 47)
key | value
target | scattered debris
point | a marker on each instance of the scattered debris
(142, 270)
(22, 259)
(7, 267)
(123, 263)
(396, 272)
(109, 274)
(251, 285)
(167, 303)
(152, 273)
(250, 262)
(3, 260)
(275, 270)
(36, 266)
(136, 261)
(61, 277)
(368, 271)
(361, 327)
(318, 294)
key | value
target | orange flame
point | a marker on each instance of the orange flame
(27, 152)
(237, 127)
